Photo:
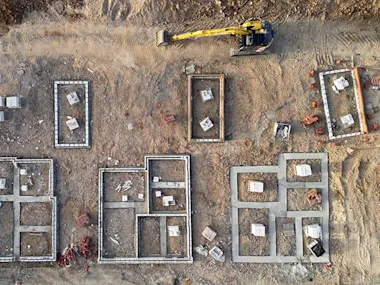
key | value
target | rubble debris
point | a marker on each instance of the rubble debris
(115, 241)
(300, 272)
(201, 250)
(127, 185)
(189, 69)
(281, 131)
(83, 220)
(313, 197)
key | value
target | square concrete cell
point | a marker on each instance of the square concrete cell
(113, 183)
(297, 200)
(36, 244)
(6, 229)
(36, 176)
(251, 245)
(286, 242)
(177, 245)
(7, 172)
(269, 180)
(149, 237)
(36, 214)
(167, 170)
(119, 226)
(178, 196)
(291, 172)
(307, 240)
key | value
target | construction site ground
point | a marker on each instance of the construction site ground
(133, 82)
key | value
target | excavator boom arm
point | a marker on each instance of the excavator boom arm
(234, 31)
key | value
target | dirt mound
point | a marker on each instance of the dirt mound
(13, 11)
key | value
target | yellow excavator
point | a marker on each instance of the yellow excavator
(254, 36)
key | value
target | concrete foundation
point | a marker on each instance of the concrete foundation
(144, 209)
(279, 209)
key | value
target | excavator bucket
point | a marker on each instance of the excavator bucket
(162, 38)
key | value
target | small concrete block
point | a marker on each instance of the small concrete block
(303, 170)
(2, 116)
(174, 231)
(256, 186)
(206, 124)
(168, 201)
(72, 124)
(207, 95)
(73, 98)
(23, 172)
(13, 102)
(288, 230)
(209, 234)
(3, 183)
(258, 230)
(347, 120)
(2, 101)
(158, 193)
(124, 198)
(24, 188)
(156, 179)
(140, 196)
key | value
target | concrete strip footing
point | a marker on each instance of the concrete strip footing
(58, 143)
(279, 209)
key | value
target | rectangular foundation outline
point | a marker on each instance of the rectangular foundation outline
(358, 100)
(50, 198)
(221, 106)
(145, 169)
(57, 143)
(279, 209)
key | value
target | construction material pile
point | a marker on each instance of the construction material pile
(71, 253)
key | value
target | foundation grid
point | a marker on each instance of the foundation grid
(17, 200)
(144, 209)
(279, 209)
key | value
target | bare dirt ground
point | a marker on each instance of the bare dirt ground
(168, 171)
(297, 200)
(119, 224)
(286, 245)
(36, 214)
(35, 244)
(178, 194)
(177, 246)
(250, 244)
(149, 236)
(37, 179)
(133, 81)
(113, 180)
(6, 233)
